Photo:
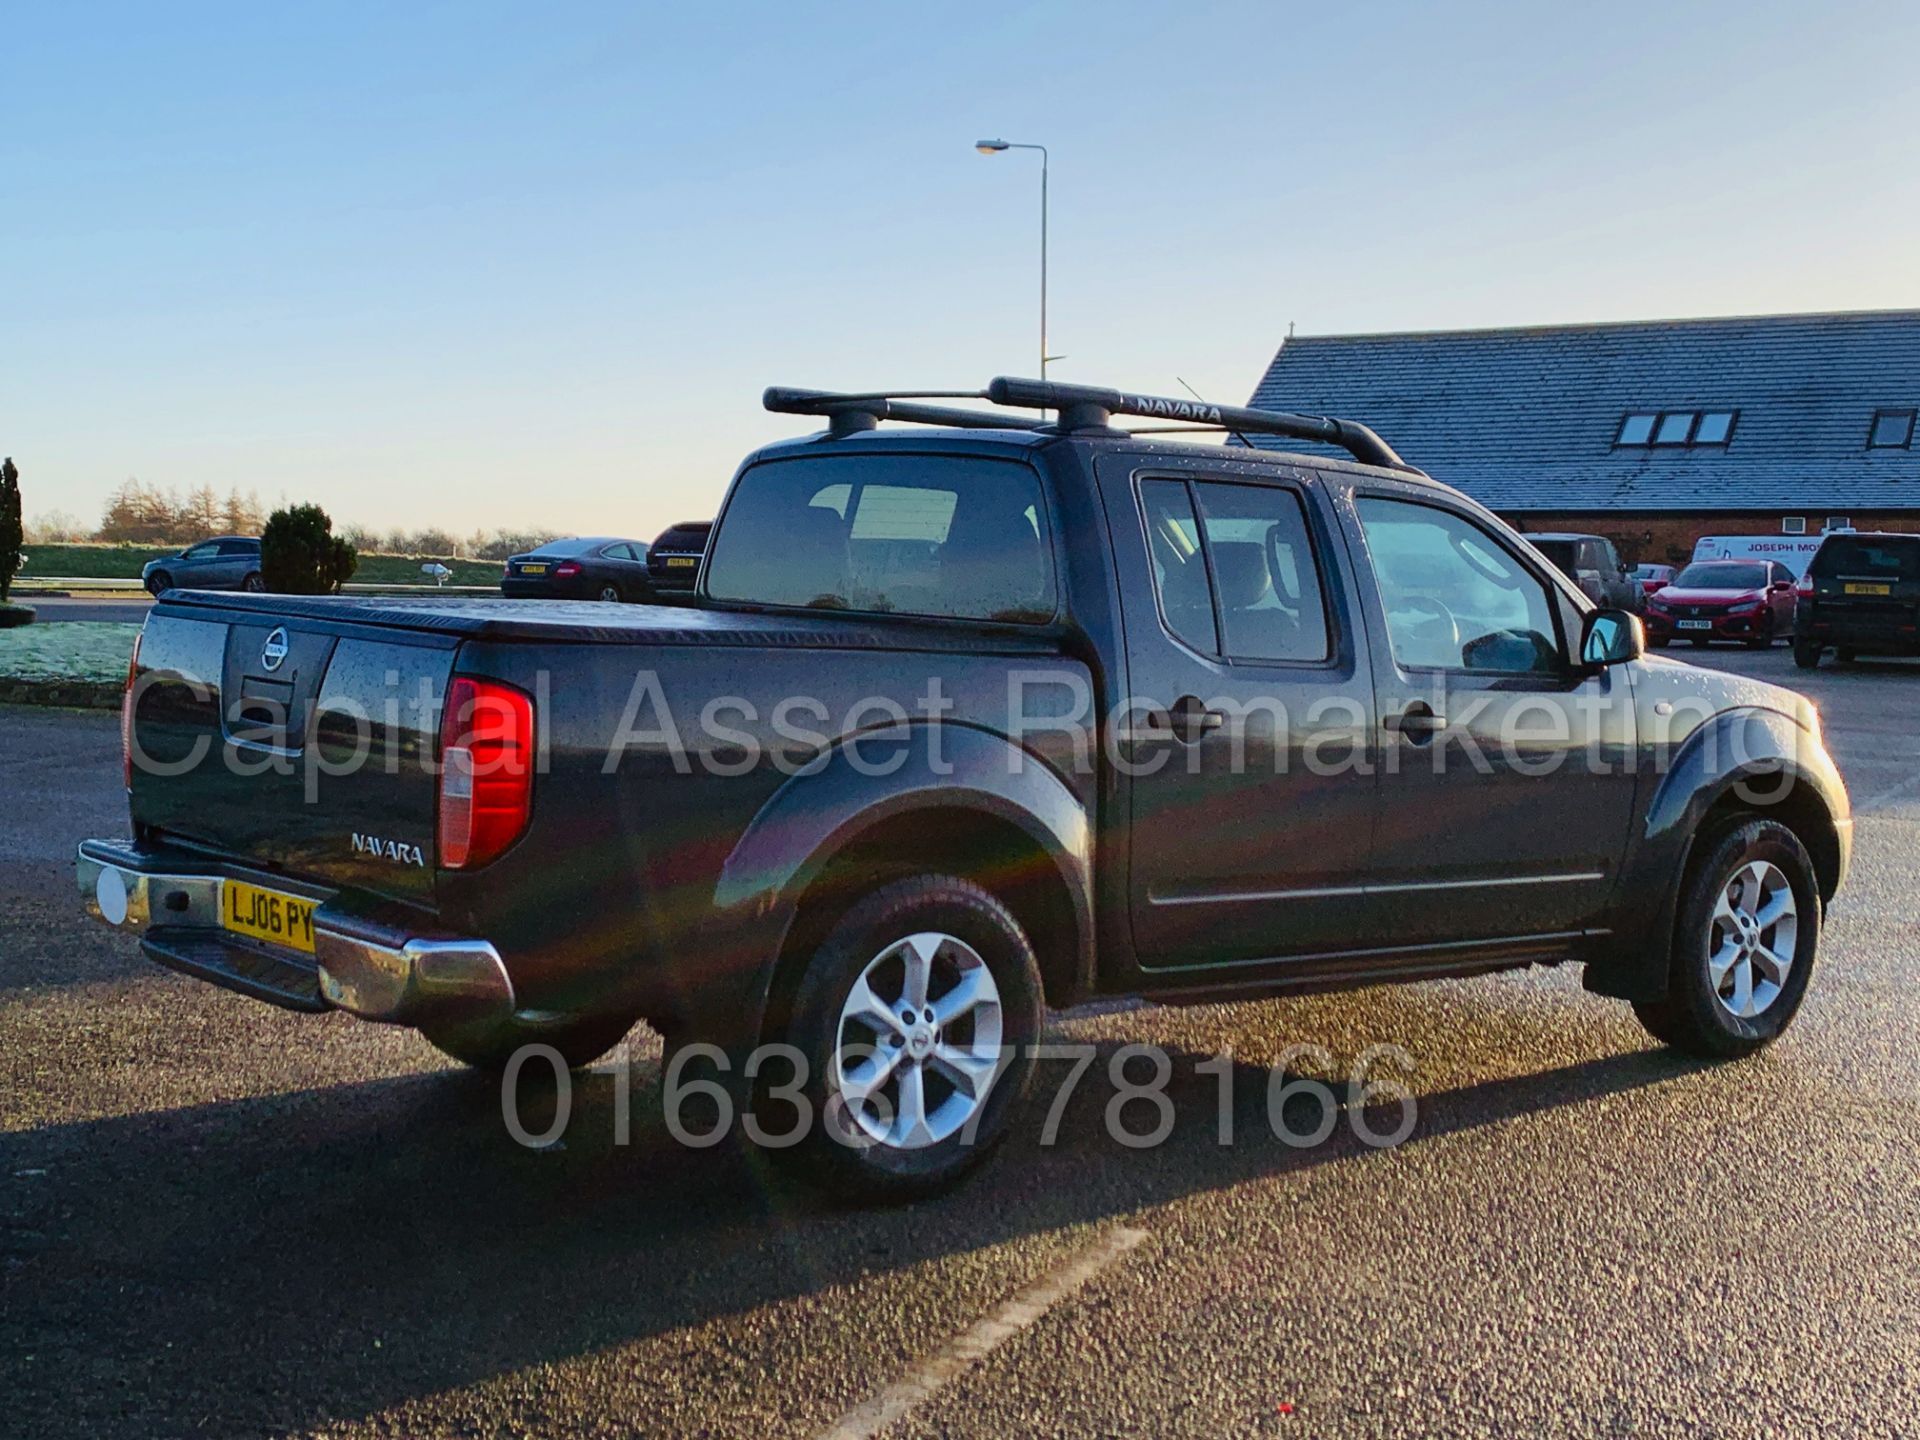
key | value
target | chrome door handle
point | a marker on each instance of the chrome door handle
(1417, 724)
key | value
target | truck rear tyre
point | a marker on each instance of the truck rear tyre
(916, 1018)
(1744, 944)
(1806, 655)
(580, 1041)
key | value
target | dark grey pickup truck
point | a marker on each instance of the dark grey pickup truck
(994, 711)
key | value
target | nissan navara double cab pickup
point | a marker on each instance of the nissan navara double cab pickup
(986, 712)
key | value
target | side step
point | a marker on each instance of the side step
(289, 981)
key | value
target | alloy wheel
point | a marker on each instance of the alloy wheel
(918, 1044)
(1752, 939)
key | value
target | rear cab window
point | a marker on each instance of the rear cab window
(941, 536)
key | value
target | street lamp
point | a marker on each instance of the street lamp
(994, 147)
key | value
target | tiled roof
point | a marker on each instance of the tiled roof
(1525, 419)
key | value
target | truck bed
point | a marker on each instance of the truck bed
(589, 622)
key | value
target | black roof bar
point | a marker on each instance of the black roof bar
(1087, 405)
(1081, 407)
(849, 414)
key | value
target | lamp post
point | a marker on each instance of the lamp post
(994, 147)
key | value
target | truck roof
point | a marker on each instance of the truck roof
(1083, 414)
(921, 438)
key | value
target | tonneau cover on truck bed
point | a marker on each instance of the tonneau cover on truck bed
(590, 622)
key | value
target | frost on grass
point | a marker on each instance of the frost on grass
(81, 650)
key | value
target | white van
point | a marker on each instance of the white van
(1793, 551)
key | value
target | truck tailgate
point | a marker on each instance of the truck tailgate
(298, 744)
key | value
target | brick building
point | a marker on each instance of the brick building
(1653, 433)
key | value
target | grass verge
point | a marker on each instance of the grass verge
(78, 663)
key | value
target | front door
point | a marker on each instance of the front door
(1248, 741)
(1507, 770)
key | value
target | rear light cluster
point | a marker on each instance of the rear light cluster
(126, 714)
(486, 771)
(1803, 587)
(566, 568)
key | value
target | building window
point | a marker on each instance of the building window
(1636, 430)
(1793, 525)
(1839, 522)
(1892, 430)
(1676, 427)
(1715, 427)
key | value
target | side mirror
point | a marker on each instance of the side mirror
(1612, 637)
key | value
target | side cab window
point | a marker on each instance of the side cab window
(1455, 598)
(1235, 570)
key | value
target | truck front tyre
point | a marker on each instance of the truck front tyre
(580, 1041)
(916, 1017)
(1806, 654)
(1744, 944)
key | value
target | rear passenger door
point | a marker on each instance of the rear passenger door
(1246, 743)
(238, 560)
(1507, 771)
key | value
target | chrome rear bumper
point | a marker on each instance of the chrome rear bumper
(173, 903)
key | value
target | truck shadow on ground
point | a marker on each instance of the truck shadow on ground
(290, 1261)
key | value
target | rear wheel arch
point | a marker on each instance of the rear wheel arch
(1004, 858)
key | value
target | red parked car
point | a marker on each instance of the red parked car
(1654, 578)
(1751, 601)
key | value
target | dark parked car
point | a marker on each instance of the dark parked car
(1860, 596)
(1591, 562)
(1173, 720)
(1750, 601)
(231, 562)
(596, 568)
(674, 560)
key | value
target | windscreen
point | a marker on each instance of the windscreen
(954, 536)
(1882, 559)
(1722, 577)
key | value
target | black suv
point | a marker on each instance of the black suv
(965, 720)
(1860, 596)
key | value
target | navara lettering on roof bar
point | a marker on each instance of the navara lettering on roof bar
(1174, 409)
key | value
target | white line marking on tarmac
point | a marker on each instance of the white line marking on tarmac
(986, 1335)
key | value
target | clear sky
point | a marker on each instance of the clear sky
(478, 265)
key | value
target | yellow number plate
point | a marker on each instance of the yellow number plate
(1858, 589)
(268, 915)
(533, 569)
(678, 562)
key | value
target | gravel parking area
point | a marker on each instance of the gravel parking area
(221, 1219)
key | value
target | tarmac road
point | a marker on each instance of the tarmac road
(220, 1219)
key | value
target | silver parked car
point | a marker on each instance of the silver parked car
(1591, 562)
(231, 562)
